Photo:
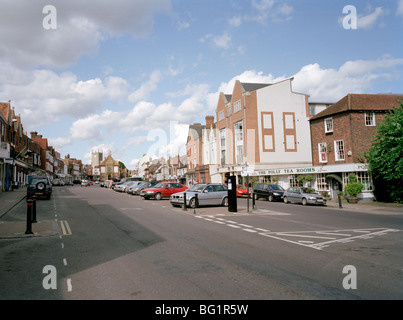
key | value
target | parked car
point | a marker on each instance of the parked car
(207, 194)
(40, 187)
(85, 183)
(124, 187)
(136, 189)
(162, 190)
(304, 196)
(242, 191)
(57, 182)
(270, 192)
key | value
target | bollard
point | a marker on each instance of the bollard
(29, 217)
(34, 209)
(196, 203)
(340, 206)
(184, 202)
(253, 201)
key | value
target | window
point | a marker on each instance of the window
(293, 181)
(322, 147)
(239, 142)
(321, 182)
(370, 119)
(364, 178)
(237, 106)
(229, 110)
(222, 146)
(221, 115)
(328, 125)
(339, 150)
(290, 133)
(268, 132)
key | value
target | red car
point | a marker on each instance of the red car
(241, 191)
(162, 190)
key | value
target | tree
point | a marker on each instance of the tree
(385, 157)
(122, 165)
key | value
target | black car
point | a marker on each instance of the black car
(41, 187)
(270, 192)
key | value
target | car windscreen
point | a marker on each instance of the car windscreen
(196, 188)
(276, 187)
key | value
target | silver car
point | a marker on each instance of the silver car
(206, 194)
(304, 196)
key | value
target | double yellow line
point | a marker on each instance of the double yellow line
(65, 228)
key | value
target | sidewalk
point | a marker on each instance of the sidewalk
(10, 199)
(16, 229)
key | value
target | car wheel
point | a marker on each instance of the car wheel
(192, 203)
(256, 197)
(304, 201)
(270, 198)
(285, 200)
(225, 202)
(158, 196)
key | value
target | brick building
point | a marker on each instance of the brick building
(342, 134)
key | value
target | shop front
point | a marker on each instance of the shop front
(328, 180)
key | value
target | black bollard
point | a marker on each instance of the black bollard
(184, 202)
(340, 206)
(29, 217)
(196, 203)
(34, 209)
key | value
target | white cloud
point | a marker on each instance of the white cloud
(321, 84)
(81, 26)
(143, 92)
(93, 126)
(235, 21)
(56, 95)
(223, 41)
(271, 10)
(399, 11)
(368, 21)
(352, 77)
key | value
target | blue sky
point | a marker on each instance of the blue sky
(129, 75)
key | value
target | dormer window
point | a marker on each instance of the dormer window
(328, 125)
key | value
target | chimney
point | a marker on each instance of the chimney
(34, 135)
(209, 121)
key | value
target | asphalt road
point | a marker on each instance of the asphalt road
(116, 246)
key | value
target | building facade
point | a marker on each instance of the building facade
(342, 134)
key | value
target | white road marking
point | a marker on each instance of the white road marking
(69, 286)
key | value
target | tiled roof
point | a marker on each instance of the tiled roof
(362, 102)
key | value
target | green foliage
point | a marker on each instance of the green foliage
(122, 165)
(353, 189)
(385, 157)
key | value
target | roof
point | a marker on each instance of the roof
(362, 102)
(249, 87)
(103, 163)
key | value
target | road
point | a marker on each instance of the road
(116, 246)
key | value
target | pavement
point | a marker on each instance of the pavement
(13, 228)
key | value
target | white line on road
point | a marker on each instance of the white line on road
(69, 286)
(65, 261)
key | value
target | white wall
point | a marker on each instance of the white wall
(279, 98)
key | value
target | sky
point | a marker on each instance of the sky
(129, 76)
